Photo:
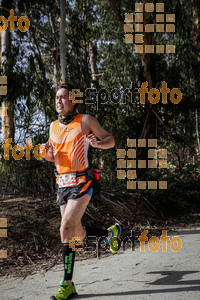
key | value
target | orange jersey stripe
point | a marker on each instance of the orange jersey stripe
(70, 148)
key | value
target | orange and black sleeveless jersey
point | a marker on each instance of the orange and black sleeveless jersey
(70, 148)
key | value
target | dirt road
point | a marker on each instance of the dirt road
(128, 275)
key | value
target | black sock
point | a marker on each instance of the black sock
(68, 257)
(90, 231)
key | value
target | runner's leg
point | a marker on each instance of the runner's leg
(71, 226)
(72, 215)
(82, 232)
(71, 221)
(62, 209)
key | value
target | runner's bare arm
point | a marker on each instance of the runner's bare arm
(49, 148)
(49, 152)
(95, 130)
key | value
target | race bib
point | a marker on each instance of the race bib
(66, 180)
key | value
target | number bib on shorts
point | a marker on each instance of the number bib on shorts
(68, 179)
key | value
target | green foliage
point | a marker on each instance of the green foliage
(34, 57)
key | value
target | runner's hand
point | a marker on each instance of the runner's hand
(47, 146)
(91, 139)
(49, 151)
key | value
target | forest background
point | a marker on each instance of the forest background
(82, 42)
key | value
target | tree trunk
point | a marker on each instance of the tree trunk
(56, 56)
(7, 118)
(197, 70)
(93, 63)
(86, 82)
(62, 41)
(150, 128)
(86, 73)
(117, 13)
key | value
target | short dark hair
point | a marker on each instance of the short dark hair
(67, 86)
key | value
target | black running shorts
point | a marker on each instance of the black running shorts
(74, 192)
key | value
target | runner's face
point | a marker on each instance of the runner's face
(63, 105)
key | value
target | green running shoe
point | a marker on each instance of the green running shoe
(65, 291)
(115, 242)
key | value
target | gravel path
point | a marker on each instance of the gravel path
(127, 275)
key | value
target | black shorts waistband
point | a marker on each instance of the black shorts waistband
(88, 172)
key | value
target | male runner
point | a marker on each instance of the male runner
(70, 137)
